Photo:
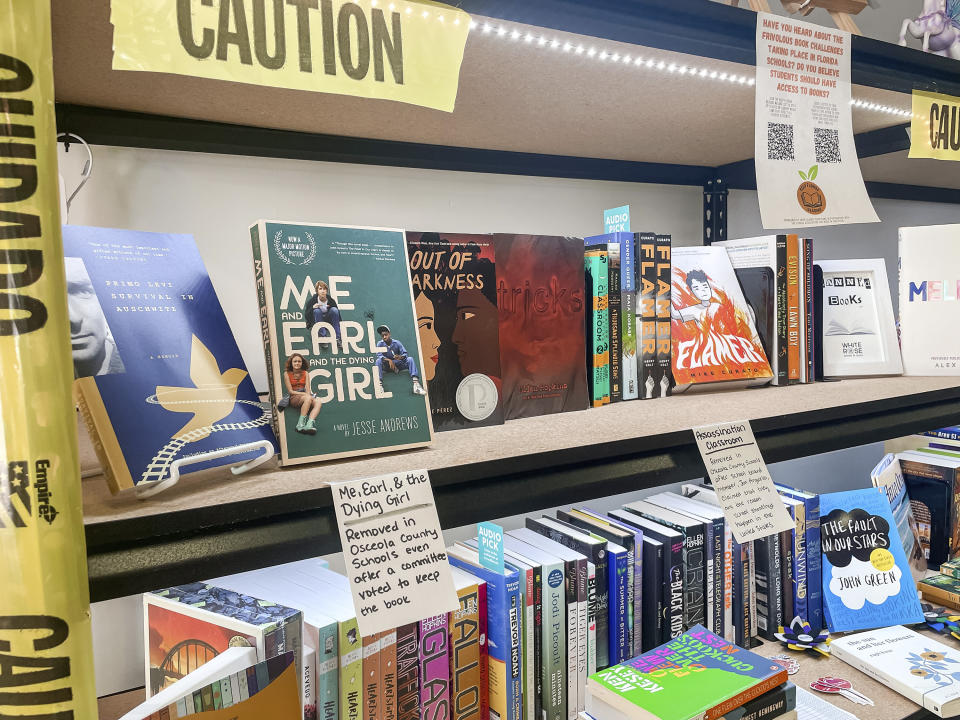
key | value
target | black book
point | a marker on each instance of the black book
(672, 589)
(786, 574)
(646, 280)
(782, 342)
(596, 552)
(664, 284)
(769, 588)
(772, 704)
(694, 557)
(818, 322)
(653, 609)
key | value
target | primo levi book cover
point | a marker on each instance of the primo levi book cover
(340, 337)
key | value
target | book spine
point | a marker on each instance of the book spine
(558, 671)
(388, 670)
(808, 304)
(464, 643)
(308, 683)
(647, 315)
(814, 562)
(576, 655)
(950, 571)
(747, 695)
(266, 318)
(729, 634)
(603, 325)
(752, 590)
(533, 643)
(769, 595)
(799, 561)
(110, 474)
(772, 704)
(942, 434)
(635, 592)
(351, 671)
(434, 669)
(371, 677)
(793, 309)
(583, 611)
(664, 352)
(939, 595)
(591, 618)
(717, 554)
(739, 593)
(513, 709)
(782, 342)
(628, 341)
(408, 672)
(674, 566)
(483, 608)
(619, 616)
(653, 608)
(614, 305)
(328, 665)
(786, 574)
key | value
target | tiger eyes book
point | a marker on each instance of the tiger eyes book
(697, 675)
(340, 339)
(160, 377)
(714, 338)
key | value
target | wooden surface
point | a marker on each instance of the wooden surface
(513, 95)
(116, 706)
(516, 439)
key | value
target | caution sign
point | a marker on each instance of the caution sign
(390, 49)
(46, 654)
(935, 127)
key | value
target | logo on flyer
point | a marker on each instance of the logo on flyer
(294, 250)
(809, 194)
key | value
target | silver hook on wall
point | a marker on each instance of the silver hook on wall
(87, 169)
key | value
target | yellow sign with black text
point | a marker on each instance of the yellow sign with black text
(46, 651)
(935, 127)
(389, 49)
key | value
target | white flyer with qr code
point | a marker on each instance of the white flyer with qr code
(808, 173)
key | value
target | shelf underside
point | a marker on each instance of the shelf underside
(213, 523)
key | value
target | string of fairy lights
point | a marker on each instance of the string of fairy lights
(614, 57)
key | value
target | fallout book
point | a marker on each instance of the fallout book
(340, 338)
(540, 294)
(455, 298)
(160, 377)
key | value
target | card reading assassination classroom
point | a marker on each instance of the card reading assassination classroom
(340, 338)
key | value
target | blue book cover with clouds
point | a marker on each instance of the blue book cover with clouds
(160, 376)
(866, 579)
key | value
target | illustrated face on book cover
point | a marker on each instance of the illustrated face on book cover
(712, 335)
(455, 298)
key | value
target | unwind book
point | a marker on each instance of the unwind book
(160, 377)
(336, 301)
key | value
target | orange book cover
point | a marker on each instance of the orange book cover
(388, 674)
(465, 678)
(280, 700)
(371, 676)
(793, 308)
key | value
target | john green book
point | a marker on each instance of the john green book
(340, 339)
(696, 676)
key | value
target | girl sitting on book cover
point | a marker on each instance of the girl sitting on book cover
(296, 379)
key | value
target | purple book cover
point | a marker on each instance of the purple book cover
(434, 669)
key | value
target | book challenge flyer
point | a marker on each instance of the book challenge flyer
(341, 340)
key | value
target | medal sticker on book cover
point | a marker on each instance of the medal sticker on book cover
(477, 397)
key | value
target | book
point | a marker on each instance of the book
(647, 314)
(454, 280)
(916, 666)
(540, 296)
(654, 609)
(388, 672)
(867, 581)
(928, 285)
(621, 246)
(798, 556)
(951, 568)
(372, 676)
(434, 668)
(408, 672)
(531, 620)
(756, 262)
(697, 675)
(779, 703)
(342, 339)
(160, 376)
(664, 380)
(811, 506)
(888, 475)
(614, 317)
(188, 625)
(770, 612)
(713, 336)
(941, 589)
(809, 329)
(933, 483)
(464, 644)
(503, 632)
(793, 309)
(597, 325)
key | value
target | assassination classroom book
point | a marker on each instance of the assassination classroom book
(695, 675)
(326, 293)
(714, 338)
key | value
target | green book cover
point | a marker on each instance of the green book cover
(340, 339)
(595, 264)
(951, 568)
(696, 675)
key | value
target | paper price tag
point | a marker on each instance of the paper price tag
(743, 483)
(393, 550)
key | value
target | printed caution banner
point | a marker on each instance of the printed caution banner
(808, 172)
(392, 49)
(935, 127)
(46, 652)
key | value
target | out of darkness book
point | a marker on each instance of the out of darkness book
(160, 376)
(367, 406)
(540, 293)
(455, 297)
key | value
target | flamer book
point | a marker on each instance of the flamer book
(664, 376)
(647, 314)
(698, 675)
(341, 342)
(455, 297)
(713, 335)
(160, 377)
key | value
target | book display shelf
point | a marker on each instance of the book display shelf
(529, 103)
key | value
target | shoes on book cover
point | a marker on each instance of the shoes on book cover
(418, 388)
(300, 423)
(308, 428)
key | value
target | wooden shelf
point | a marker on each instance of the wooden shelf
(213, 523)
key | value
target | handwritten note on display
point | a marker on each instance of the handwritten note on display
(742, 481)
(393, 550)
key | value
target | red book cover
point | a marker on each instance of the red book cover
(484, 653)
(540, 294)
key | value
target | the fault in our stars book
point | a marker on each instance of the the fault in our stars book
(159, 374)
(866, 579)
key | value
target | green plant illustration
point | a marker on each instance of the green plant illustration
(810, 174)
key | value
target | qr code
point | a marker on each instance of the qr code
(826, 142)
(780, 141)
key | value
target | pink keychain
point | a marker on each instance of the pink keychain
(841, 687)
